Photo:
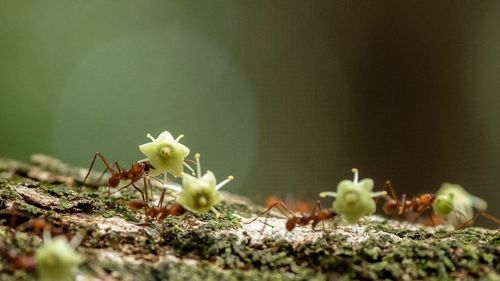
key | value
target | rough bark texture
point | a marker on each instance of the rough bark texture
(122, 244)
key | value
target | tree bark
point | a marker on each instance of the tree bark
(123, 244)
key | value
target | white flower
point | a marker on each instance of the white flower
(165, 154)
(354, 199)
(199, 194)
(57, 259)
(464, 203)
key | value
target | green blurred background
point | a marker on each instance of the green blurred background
(287, 96)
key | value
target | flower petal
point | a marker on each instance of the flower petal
(149, 149)
(166, 136)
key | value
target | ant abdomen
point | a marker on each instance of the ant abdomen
(113, 181)
(390, 207)
(291, 223)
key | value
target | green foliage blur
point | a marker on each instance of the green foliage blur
(287, 96)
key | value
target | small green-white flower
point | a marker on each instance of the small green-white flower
(461, 202)
(199, 194)
(165, 154)
(354, 199)
(57, 259)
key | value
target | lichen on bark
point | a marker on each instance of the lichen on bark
(122, 244)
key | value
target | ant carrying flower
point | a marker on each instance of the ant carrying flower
(462, 204)
(451, 202)
(198, 195)
(165, 155)
(137, 171)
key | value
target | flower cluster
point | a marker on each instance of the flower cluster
(199, 193)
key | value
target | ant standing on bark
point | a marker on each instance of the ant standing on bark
(317, 215)
(451, 202)
(159, 212)
(416, 204)
(137, 171)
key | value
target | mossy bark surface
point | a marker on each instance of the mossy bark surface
(123, 244)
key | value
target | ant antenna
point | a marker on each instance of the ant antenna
(224, 182)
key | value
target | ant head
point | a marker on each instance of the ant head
(39, 223)
(427, 199)
(138, 167)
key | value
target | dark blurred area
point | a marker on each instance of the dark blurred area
(286, 95)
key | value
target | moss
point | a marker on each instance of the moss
(221, 251)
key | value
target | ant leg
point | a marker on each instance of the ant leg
(431, 217)
(403, 203)
(150, 186)
(419, 213)
(138, 189)
(480, 214)
(92, 164)
(146, 189)
(117, 166)
(388, 186)
(318, 205)
(281, 207)
(122, 188)
(162, 196)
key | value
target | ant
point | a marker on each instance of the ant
(137, 171)
(37, 226)
(450, 198)
(416, 204)
(159, 212)
(317, 215)
(20, 262)
(21, 221)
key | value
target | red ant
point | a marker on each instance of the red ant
(416, 204)
(317, 215)
(20, 221)
(20, 262)
(160, 212)
(37, 226)
(136, 172)
(426, 201)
